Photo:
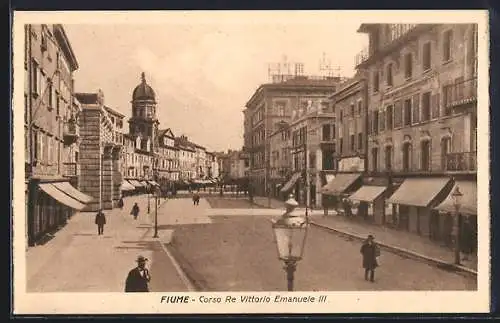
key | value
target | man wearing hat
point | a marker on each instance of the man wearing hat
(370, 252)
(138, 278)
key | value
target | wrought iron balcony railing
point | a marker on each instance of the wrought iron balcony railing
(465, 161)
(460, 93)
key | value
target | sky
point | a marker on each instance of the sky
(204, 73)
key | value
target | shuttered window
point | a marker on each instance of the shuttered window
(382, 120)
(435, 105)
(416, 108)
(398, 115)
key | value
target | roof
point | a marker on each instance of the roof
(114, 112)
(166, 132)
(66, 46)
(364, 28)
(143, 91)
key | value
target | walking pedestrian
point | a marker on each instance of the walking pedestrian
(196, 199)
(100, 220)
(138, 278)
(135, 211)
(370, 251)
(120, 203)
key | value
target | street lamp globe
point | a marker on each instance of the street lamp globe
(290, 232)
(457, 197)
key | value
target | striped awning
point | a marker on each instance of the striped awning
(61, 197)
(67, 188)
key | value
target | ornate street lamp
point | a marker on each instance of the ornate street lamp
(457, 202)
(290, 232)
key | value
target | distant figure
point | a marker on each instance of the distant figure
(196, 199)
(100, 220)
(120, 203)
(135, 211)
(138, 278)
(370, 251)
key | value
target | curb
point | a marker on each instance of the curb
(404, 252)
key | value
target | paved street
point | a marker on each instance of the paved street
(238, 253)
(78, 260)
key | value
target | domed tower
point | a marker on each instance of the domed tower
(144, 122)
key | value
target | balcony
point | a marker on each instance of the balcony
(461, 162)
(69, 169)
(459, 94)
(71, 132)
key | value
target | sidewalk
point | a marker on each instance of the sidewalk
(79, 260)
(396, 241)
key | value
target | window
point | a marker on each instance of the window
(447, 43)
(49, 150)
(360, 141)
(435, 106)
(382, 121)
(353, 143)
(389, 75)
(408, 65)
(388, 157)
(426, 106)
(352, 110)
(341, 145)
(416, 108)
(41, 151)
(407, 112)
(398, 114)
(406, 156)
(445, 150)
(333, 131)
(341, 115)
(50, 89)
(35, 75)
(426, 155)
(426, 56)
(326, 132)
(360, 108)
(375, 159)
(389, 117)
(43, 85)
(375, 122)
(375, 81)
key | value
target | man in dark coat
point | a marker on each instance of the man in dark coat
(138, 278)
(370, 252)
(100, 220)
(135, 211)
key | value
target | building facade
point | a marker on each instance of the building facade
(52, 131)
(168, 157)
(422, 120)
(270, 106)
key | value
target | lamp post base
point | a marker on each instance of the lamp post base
(290, 267)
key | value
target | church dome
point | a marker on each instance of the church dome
(143, 91)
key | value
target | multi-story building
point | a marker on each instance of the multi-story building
(51, 131)
(212, 165)
(422, 113)
(269, 106)
(312, 130)
(168, 157)
(187, 159)
(281, 161)
(100, 158)
(350, 139)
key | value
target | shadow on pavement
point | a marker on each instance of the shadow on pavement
(197, 279)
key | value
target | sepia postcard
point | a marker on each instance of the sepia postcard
(250, 162)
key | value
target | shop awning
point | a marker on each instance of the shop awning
(144, 183)
(368, 193)
(339, 184)
(418, 191)
(469, 198)
(67, 188)
(135, 183)
(153, 183)
(61, 197)
(290, 182)
(126, 186)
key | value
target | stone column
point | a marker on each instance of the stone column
(90, 156)
(117, 175)
(107, 178)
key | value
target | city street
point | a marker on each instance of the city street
(238, 253)
(78, 260)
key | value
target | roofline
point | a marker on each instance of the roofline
(114, 111)
(66, 46)
(365, 28)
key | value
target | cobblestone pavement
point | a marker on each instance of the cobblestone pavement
(401, 239)
(79, 260)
